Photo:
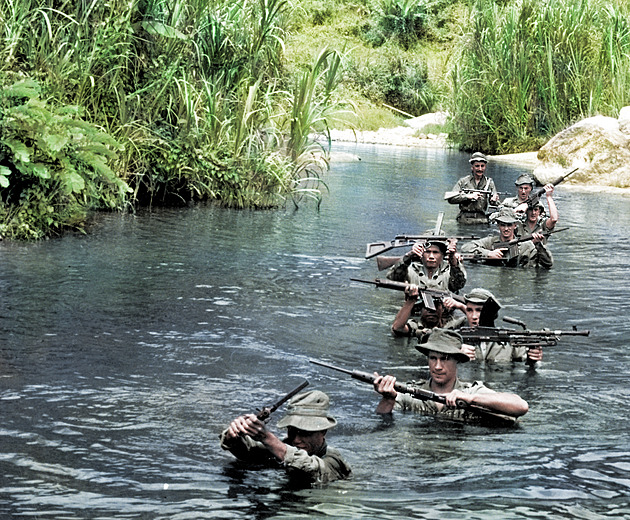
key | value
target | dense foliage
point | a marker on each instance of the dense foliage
(112, 105)
(184, 101)
(528, 70)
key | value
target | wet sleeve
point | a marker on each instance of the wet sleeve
(317, 469)
(457, 278)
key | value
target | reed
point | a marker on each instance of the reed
(528, 70)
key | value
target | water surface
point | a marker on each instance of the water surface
(127, 351)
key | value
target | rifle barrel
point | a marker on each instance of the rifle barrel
(420, 393)
(267, 411)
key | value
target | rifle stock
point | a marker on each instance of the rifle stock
(427, 294)
(264, 414)
(376, 248)
(425, 395)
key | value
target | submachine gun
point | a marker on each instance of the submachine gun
(517, 338)
(483, 413)
(264, 414)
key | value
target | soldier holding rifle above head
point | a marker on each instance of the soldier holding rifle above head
(304, 453)
(532, 214)
(474, 193)
(443, 350)
(425, 266)
(498, 250)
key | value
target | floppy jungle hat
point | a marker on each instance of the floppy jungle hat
(444, 341)
(308, 411)
(507, 216)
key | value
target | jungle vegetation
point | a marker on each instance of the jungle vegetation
(119, 105)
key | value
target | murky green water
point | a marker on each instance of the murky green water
(125, 353)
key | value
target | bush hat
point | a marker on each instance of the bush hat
(444, 341)
(507, 216)
(477, 157)
(439, 243)
(524, 178)
(309, 412)
(480, 296)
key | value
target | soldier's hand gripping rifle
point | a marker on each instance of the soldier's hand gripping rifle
(534, 196)
(264, 414)
(376, 248)
(516, 337)
(512, 246)
(427, 294)
(425, 395)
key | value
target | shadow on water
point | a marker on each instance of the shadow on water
(127, 351)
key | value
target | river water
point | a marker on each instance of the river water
(125, 352)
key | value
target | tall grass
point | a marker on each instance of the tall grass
(527, 70)
(194, 91)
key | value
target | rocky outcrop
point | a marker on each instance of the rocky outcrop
(599, 146)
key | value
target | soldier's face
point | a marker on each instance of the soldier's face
(310, 442)
(533, 214)
(523, 191)
(432, 256)
(478, 168)
(506, 230)
(442, 367)
(473, 313)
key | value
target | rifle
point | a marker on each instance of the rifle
(426, 293)
(512, 246)
(426, 395)
(264, 414)
(376, 248)
(534, 196)
(385, 262)
(450, 194)
(518, 338)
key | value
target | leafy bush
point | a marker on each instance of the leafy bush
(53, 166)
(397, 82)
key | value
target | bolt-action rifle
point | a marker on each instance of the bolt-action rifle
(512, 245)
(264, 414)
(426, 395)
(376, 248)
(534, 196)
(427, 294)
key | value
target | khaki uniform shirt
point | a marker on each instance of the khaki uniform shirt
(446, 277)
(470, 210)
(408, 402)
(525, 253)
(322, 467)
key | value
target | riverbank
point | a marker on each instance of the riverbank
(412, 135)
